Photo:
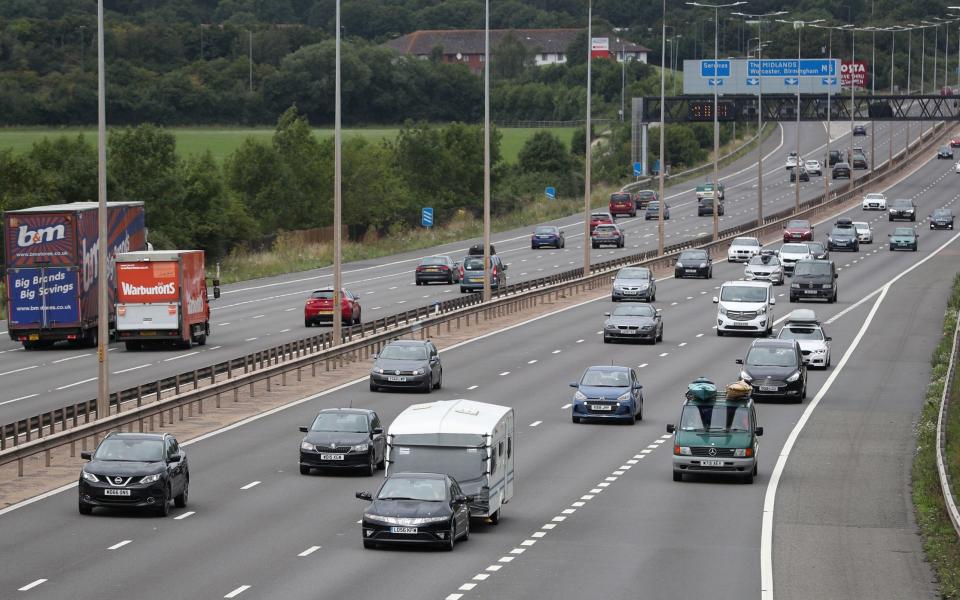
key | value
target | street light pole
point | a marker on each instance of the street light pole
(663, 134)
(486, 152)
(337, 316)
(250, 58)
(588, 155)
(103, 320)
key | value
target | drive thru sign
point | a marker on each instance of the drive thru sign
(853, 71)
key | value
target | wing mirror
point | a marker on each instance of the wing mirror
(659, 310)
(670, 428)
(739, 361)
(364, 495)
(828, 338)
(304, 430)
(773, 301)
(574, 384)
(638, 386)
(86, 455)
(377, 430)
(606, 314)
(459, 499)
(375, 356)
(716, 300)
(836, 275)
(174, 459)
(758, 431)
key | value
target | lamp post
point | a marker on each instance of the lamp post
(716, 123)
(337, 316)
(826, 162)
(758, 19)
(486, 158)
(663, 134)
(82, 27)
(588, 156)
(103, 373)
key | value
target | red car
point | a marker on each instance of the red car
(597, 218)
(955, 142)
(798, 230)
(645, 197)
(621, 203)
(319, 307)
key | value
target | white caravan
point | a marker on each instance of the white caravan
(471, 441)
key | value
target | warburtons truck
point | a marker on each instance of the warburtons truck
(51, 255)
(162, 298)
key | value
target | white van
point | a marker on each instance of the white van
(745, 306)
(471, 441)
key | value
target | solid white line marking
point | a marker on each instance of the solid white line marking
(473, 387)
(119, 545)
(18, 370)
(56, 362)
(250, 485)
(217, 347)
(505, 373)
(18, 399)
(132, 369)
(70, 385)
(291, 309)
(31, 585)
(223, 324)
(181, 356)
(535, 423)
(184, 515)
(237, 591)
(281, 331)
(309, 551)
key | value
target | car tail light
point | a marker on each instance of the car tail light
(494, 270)
(419, 268)
(461, 271)
(444, 268)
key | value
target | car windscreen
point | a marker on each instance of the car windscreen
(335, 421)
(605, 229)
(545, 230)
(655, 205)
(795, 332)
(404, 352)
(463, 464)
(322, 295)
(745, 242)
(693, 255)
(860, 225)
(130, 450)
(604, 378)
(764, 259)
(815, 246)
(811, 268)
(799, 223)
(600, 217)
(841, 231)
(620, 197)
(794, 249)
(628, 310)
(413, 488)
(767, 356)
(645, 194)
(473, 263)
(902, 203)
(941, 213)
(714, 417)
(743, 293)
(634, 273)
(903, 231)
(434, 260)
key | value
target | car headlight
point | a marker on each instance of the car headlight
(679, 265)
(747, 272)
(820, 351)
(378, 370)
(609, 326)
(90, 477)
(829, 239)
(703, 265)
(624, 397)
(794, 377)
(743, 452)
(762, 310)
(682, 450)
(307, 447)
(909, 210)
(745, 376)
(579, 396)
(723, 309)
(419, 371)
(360, 448)
(826, 286)
(617, 287)
(405, 521)
(151, 478)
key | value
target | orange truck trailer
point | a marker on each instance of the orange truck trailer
(162, 298)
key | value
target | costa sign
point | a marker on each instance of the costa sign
(855, 72)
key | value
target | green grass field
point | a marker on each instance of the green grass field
(221, 142)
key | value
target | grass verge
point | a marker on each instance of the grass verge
(940, 540)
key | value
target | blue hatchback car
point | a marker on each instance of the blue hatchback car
(608, 392)
(653, 211)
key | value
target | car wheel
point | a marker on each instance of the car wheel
(465, 536)
(304, 470)
(450, 280)
(463, 290)
(418, 282)
(372, 463)
(369, 544)
(439, 382)
(915, 247)
(660, 335)
(451, 537)
(719, 333)
(427, 386)
(181, 500)
(606, 340)
(374, 387)
(164, 509)
(654, 297)
(748, 478)
(640, 411)
(85, 509)
(306, 323)
(677, 475)
(383, 460)
(495, 517)
(575, 419)
(632, 420)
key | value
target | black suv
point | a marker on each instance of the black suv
(804, 176)
(902, 208)
(859, 160)
(843, 236)
(775, 369)
(705, 207)
(343, 438)
(841, 169)
(814, 279)
(135, 470)
(834, 157)
(859, 130)
(942, 218)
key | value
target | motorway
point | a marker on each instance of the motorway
(254, 315)
(596, 513)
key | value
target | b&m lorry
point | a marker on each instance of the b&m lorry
(51, 256)
(162, 298)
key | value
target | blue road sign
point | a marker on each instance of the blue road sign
(715, 82)
(708, 69)
(828, 80)
(656, 166)
(426, 217)
(550, 193)
(753, 81)
(637, 169)
(809, 67)
(791, 81)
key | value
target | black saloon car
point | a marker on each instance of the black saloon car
(635, 323)
(343, 438)
(135, 470)
(859, 130)
(437, 268)
(902, 208)
(843, 236)
(407, 364)
(841, 170)
(416, 508)
(941, 218)
(818, 250)
(693, 263)
(775, 369)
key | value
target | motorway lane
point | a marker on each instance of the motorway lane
(268, 312)
(229, 523)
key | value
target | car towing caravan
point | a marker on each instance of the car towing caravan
(471, 441)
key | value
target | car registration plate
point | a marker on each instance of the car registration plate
(768, 388)
(691, 270)
(600, 407)
(433, 269)
(628, 331)
(403, 530)
(397, 379)
(111, 492)
(811, 292)
(741, 324)
(331, 457)
(711, 463)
